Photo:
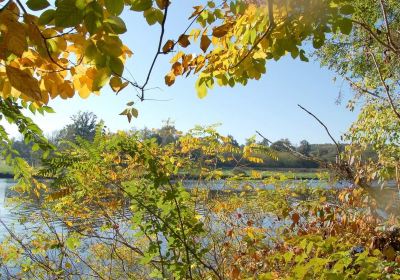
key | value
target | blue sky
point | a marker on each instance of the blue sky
(268, 105)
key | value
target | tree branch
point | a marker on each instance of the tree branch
(326, 128)
(373, 34)
(373, 94)
(141, 97)
(271, 26)
(296, 153)
(385, 86)
(385, 18)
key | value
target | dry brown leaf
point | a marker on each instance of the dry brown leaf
(184, 40)
(170, 79)
(204, 43)
(295, 218)
(169, 45)
(222, 30)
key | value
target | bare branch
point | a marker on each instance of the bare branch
(296, 153)
(385, 18)
(21, 6)
(326, 128)
(374, 35)
(385, 86)
(353, 84)
(157, 53)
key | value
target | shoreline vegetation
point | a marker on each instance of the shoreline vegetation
(246, 173)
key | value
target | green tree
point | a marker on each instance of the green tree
(83, 125)
(369, 61)
(282, 145)
(304, 147)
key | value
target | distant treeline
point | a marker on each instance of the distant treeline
(84, 125)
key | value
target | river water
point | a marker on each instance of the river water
(387, 198)
(6, 213)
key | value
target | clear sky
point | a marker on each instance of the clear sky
(268, 105)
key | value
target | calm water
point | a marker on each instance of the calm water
(388, 199)
(7, 215)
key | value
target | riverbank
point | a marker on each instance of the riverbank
(267, 173)
(248, 173)
(6, 171)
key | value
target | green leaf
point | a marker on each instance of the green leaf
(48, 109)
(93, 17)
(81, 4)
(116, 24)
(46, 17)
(347, 10)
(92, 23)
(72, 242)
(153, 15)
(37, 5)
(318, 41)
(110, 45)
(101, 78)
(141, 5)
(35, 147)
(116, 65)
(345, 26)
(67, 14)
(303, 57)
(90, 51)
(135, 112)
(114, 7)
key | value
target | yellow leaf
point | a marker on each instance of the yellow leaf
(66, 90)
(24, 82)
(177, 57)
(117, 85)
(84, 91)
(201, 90)
(15, 36)
(69, 223)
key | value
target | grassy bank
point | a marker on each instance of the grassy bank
(261, 174)
(6, 171)
(231, 173)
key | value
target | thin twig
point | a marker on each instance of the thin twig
(326, 128)
(141, 97)
(44, 38)
(373, 34)
(384, 13)
(21, 6)
(385, 86)
(373, 94)
(296, 153)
